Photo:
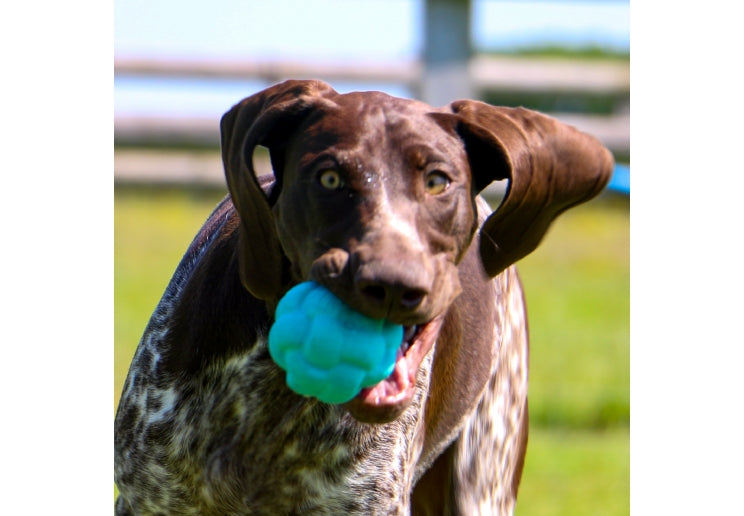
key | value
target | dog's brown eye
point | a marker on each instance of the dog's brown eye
(436, 183)
(331, 180)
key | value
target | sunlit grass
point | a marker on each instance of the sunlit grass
(578, 302)
(576, 472)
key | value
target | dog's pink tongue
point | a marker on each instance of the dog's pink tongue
(392, 389)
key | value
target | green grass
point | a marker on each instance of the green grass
(577, 286)
(578, 304)
(576, 472)
(577, 290)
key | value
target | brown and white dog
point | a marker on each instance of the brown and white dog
(376, 198)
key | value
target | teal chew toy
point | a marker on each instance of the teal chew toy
(328, 350)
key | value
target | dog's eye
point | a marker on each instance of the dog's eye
(436, 183)
(331, 179)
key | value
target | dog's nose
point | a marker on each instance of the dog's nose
(394, 293)
(391, 296)
(390, 280)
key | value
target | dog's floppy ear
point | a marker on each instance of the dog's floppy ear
(550, 167)
(267, 118)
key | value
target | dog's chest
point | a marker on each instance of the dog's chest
(234, 440)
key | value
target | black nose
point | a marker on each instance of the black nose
(390, 281)
(390, 297)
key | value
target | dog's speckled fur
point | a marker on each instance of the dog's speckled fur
(206, 424)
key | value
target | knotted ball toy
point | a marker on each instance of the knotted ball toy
(328, 350)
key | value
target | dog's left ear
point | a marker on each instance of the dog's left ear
(550, 167)
(267, 118)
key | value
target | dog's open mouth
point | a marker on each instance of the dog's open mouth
(389, 398)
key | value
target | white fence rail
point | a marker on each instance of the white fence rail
(486, 73)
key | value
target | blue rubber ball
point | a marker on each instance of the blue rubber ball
(328, 350)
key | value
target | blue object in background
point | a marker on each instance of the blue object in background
(620, 181)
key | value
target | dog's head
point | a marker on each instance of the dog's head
(374, 197)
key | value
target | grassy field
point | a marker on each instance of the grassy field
(577, 286)
(577, 289)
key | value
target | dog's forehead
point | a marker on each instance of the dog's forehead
(374, 121)
(381, 100)
(374, 108)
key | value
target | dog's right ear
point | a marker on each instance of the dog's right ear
(550, 166)
(267, 118)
